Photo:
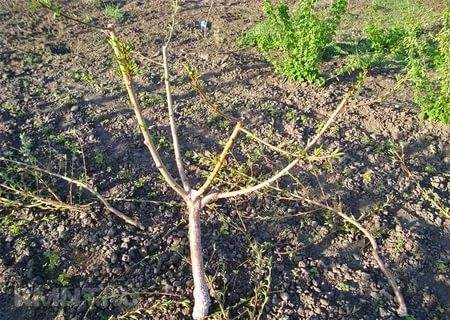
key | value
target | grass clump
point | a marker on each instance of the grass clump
(294, 41)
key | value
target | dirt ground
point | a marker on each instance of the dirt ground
(265, 255)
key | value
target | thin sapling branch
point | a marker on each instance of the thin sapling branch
(82, 185)
(221, 159)
(123, 57)
(214, 196)
(173, 126)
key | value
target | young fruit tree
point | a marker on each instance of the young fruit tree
(196, 200)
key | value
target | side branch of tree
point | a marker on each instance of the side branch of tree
(285, 170)
(128, 82)
(173, 126)
(402, 310)
(81, 185)
(221, 159)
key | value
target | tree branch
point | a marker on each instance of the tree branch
(175, 7)
(57, 13)
(81, 185)
(402, 309)
(173, 126)
(221, 160)
(285, 170)
(214, 108)
(128, 82)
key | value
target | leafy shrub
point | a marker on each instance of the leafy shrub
(390, 22)
(385, 39)
(429, 72)
(294, 41)
(396, 34)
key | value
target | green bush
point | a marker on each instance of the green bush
(390, 22)
(294, 41)
(385, 40)
(429, 72)
(396, 34)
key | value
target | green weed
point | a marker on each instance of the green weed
(48, 4)
(66, 140)
(100, 159)
(398, 34)
(13, 110)
(30, 58)
(377, 232)
(151, 99)
(140, 183)
(161, 141)
(291, 116)
(63, 99)
(261, 279)
(84, 76)
(399, 245)
(52, 259)
(442, 267)
(314, 271)
(367, 177)
(430, 169)
(64, 279)
(114, 12)
(25, 149)
(429, 72)
(12, 227)
(349, 228)
(342, 286)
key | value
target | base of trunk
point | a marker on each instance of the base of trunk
(201, 293)
(201, 304)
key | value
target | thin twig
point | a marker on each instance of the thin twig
(173, 126)
(101, 28)
(211, 2)
(435, 203)
(253, 136)
(83, 157)
(151, 60)
(285, 170)
(68, 17)
(221, 160)
(329, 121)
(128, 82)
(38, 201)
(215, 109)
(81, 185)
(172, 24)
(402, 309)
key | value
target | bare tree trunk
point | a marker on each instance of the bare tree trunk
(201, 293)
